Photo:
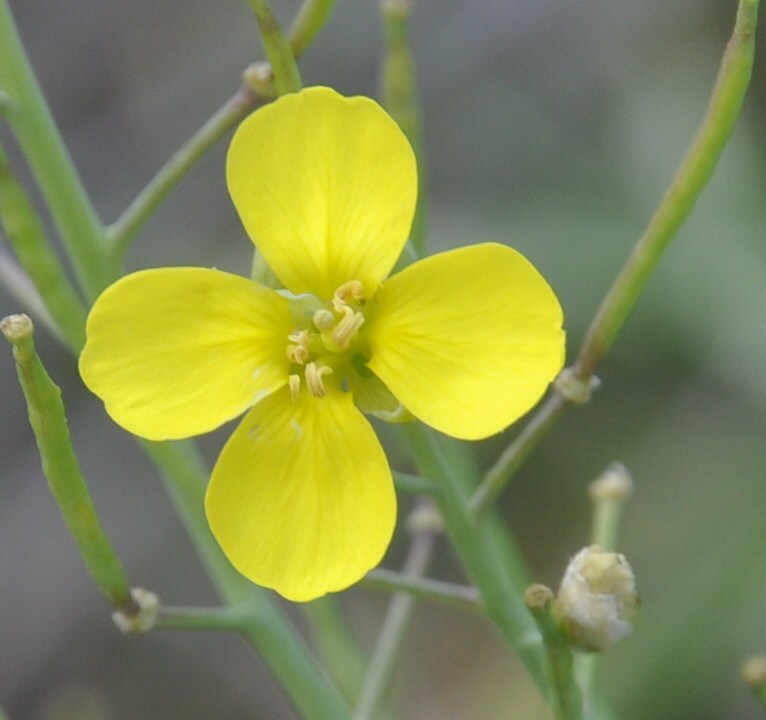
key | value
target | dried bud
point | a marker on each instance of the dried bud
(145, 616)
(597, 599)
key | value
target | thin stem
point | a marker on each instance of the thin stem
(486, 551)
(266, 628)
(564, 695)
(277, 47)
(463, 596)
(414, 484)
(232, 618)
(59, 462)
(26, 234)
(400, 610)
(336, 644)
(122, 232)
(308, 22)
(33, 126)
(497, 477)
(608, 494)
(689, 181)
(400, 98)
(17, 283)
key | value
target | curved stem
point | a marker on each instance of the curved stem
(690, 179)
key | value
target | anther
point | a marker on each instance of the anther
(294, 383)
(298, 352)
(352, 290)
(314, 379)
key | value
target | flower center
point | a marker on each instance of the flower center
(325, 345)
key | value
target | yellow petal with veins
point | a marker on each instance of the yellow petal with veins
(326, 187)
(301, 499)
(176, 352)
(467, 340)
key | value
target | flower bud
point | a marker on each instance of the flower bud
(597, 599)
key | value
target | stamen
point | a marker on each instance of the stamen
(352, 290)
(347, 327)
(294, 382)
(298, 352)
(314, 379)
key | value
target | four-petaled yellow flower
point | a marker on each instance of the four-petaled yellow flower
(301, 498)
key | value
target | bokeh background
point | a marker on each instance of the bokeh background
(552, 126)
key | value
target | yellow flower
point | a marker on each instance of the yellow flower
(301, 498)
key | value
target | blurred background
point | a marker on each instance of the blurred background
(551, 126)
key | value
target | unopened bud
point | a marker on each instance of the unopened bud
(537, 596)
(613, 485)
(597, 599)
(16, 327)
(754, 671)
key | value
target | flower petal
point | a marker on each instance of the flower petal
(301, 499)
(175, 352)
(468, 340)
(326, 188)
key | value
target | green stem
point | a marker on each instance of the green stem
(308, 21)
(565, 699)
(17, 283)
(48, 421)
(689, 181)
(414, 484)
(122, 232)
(33, 126)
(485, 551)
(384, 658)
(497, 477)
(26, 235)
(266, 628)
(608, 494)
(277, 48)
(400, 98)
(232, 618)
(336, 644)
(444, 592)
